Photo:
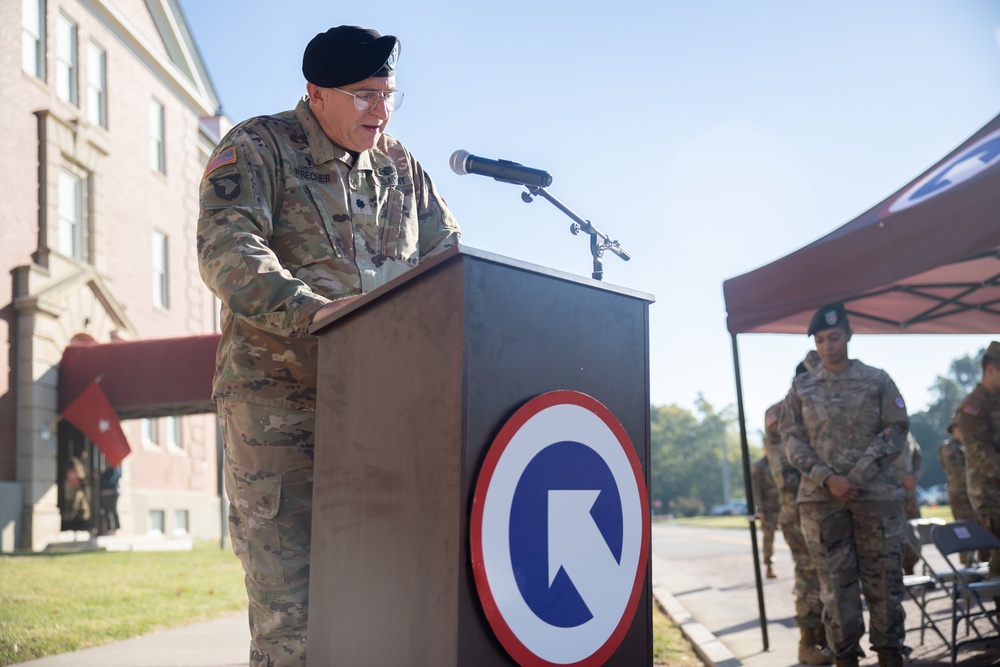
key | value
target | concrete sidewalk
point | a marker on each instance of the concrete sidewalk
(722, 621)
(724, 629)
(224, 642)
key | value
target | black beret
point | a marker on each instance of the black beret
(348, 54)
(829, 316)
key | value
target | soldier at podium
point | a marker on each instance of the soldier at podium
(301, 212)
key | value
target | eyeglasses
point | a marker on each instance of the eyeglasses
(366, 100)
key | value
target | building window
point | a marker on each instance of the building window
(71, 215)
(66, 63)
(181, 523)
(160, 274)
(157, 135)
(97, 85)
(174, 433)
(33, 37)
(216, 314)
(150, 432)
(155, 522)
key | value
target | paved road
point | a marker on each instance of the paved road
(710, 573)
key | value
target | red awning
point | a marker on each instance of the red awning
(925, 260)
(144, 378)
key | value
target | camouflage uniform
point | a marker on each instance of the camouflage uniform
(765, 496)
(808, 607)
(952, 456)
(979, 419)
(289, 222)
(851, 423)
(910, 464)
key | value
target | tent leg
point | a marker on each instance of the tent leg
(747, 482)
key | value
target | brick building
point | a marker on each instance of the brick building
(109, 119)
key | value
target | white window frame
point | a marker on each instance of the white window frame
(72, 214)
(161, 270)
(67, 60)
(97, 85)
(161, 516)
(150, 432)
(157, 137)
(182, 523)
(33, 37)
(175, 441)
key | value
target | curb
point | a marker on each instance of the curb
(706, 645)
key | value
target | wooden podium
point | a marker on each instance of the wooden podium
(415, 380)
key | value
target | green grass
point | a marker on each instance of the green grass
(670, 648)
(53, 603)
(57, 602)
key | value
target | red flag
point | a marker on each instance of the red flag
(92, 413)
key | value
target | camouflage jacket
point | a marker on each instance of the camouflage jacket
(786, 476)
(911, 459)
(851, 423)
(289, 222)
(765, 493)
(952, 456)
(979, 419)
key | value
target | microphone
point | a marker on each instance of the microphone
(462, 163)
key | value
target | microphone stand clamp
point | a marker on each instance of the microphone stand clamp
(599, 241)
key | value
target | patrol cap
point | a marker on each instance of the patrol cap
(993, 351)
(348, 54)
(829, 316)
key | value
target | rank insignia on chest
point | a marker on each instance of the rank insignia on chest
(362, 205)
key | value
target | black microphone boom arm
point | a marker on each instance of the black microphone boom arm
(599, 241)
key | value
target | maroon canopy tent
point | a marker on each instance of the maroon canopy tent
(924, 260)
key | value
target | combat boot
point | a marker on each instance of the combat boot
(847, 662)
(770, 572)
(890, 659)
(809, 652)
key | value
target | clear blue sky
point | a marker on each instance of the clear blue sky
(708, 137)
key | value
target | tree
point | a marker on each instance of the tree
(930, 426)
(687, 454)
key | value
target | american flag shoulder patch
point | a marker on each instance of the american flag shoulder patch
(970, 410)
(227, 156)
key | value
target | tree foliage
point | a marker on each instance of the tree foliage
(687, 475)
(687, 457)
(930, 426)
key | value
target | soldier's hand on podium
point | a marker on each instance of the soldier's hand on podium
(330, 308)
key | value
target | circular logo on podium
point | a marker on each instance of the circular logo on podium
(560, 532)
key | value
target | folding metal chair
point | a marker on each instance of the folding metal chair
(918, 586)
(966, 593)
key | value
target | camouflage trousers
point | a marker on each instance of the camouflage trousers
(851, 543)
(268, 474)
(768, 524)
(808, 606)
(990, 518)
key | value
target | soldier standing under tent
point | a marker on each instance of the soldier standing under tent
(844, 424)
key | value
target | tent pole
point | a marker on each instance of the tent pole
(747, 483)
